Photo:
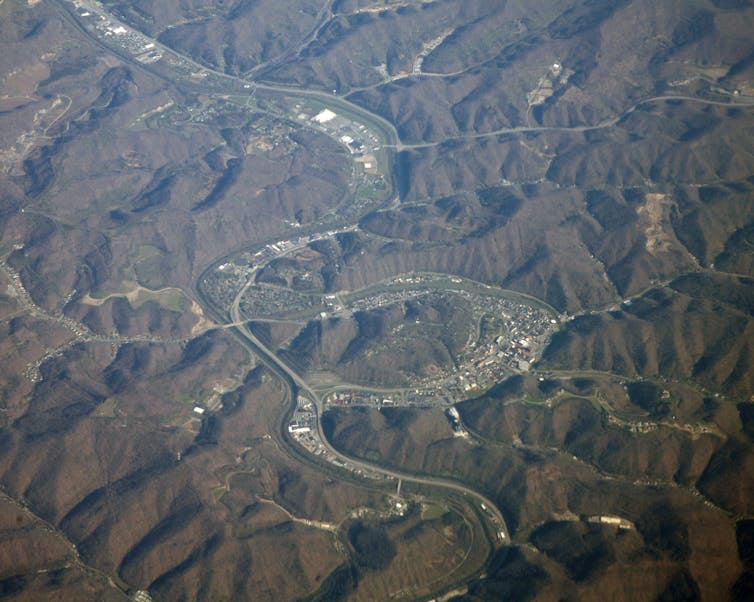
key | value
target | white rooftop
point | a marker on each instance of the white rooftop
(324, 116)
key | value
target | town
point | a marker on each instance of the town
(507, 336)
(509, 339)
(224, 283)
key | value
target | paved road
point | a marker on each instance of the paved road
(37, 522)
(82, 332)
(577, 128)
(387, 129)
(491, 509)
(389, 133)
(324, 15)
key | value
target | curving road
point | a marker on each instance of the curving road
(491, 511)
(389, 133)
(574, 128)
(385, 127)
(239, 84)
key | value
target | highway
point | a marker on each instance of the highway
(491, 510)
(238, 84)
(387, 129)
(391, 140)
(293, 383)
(390, 135)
